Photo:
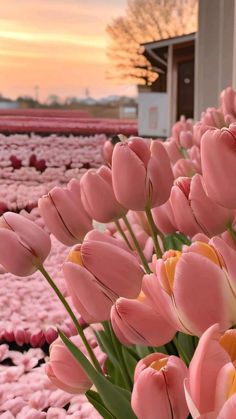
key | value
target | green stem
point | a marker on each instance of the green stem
(137, 245)
(72, 316)
(119, 228)
(154, 232)
(116, 345)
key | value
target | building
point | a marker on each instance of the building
(193, 69)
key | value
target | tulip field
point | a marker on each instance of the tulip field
(117, 268)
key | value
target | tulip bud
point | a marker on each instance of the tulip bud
(64, 214)
(141, 177)
(159, 387)
(64, 370)
(107, 151)
(137, 322)
(98, 197)
(201, 214)
(23, 244)
(218, 154)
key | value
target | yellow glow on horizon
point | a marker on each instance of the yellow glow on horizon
(59, 45)
(87, 41)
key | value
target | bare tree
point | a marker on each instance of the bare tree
(145, 21)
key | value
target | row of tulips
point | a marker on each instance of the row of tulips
(65, 125)
(159, 277)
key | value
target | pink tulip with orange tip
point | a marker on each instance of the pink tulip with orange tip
(98, 272)
(158, 391)
(211, 384)
(195, 288)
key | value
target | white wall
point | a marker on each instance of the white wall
(215, 47)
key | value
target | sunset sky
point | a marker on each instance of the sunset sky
(59, 45)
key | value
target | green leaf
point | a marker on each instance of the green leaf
(116, 399)
(130, 362)
(107, 346)
(94, 398)
(187, 343)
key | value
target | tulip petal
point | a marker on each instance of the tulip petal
(218, 154)
(86, 293)
(199, 278)
(128, 177)
(148, 393)
(115, 268)
(206, 363)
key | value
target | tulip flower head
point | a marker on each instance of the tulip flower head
(136, 322)
(98, 197)
(141, 176)
(92, 300)
(194, 212)
(218, 154)
(159, 382)
(64, 214)
(64, 370)
(196, 287)
(23, 244)
(211, 385)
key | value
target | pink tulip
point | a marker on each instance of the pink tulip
(195, 288)
(186, 139)
(107, 151)
(228, 102)
(23, 245)
(116, 271)
(184, 167)
(64, 214)
(135, 322)
(198, 130)
(213, 118)
(141, 176)
(194, 211)
(172, 149)
(158, 391)
(64, 370)
(218, 155)
(210, 387)
(164, 218)
(90, 298)
(98, 197)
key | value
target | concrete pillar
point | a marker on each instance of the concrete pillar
(215, 64)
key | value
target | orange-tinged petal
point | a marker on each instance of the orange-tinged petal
(208, 251)
(159, 364)
(228, 342)
(232, 388)
(170, 266)
(75, 257)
